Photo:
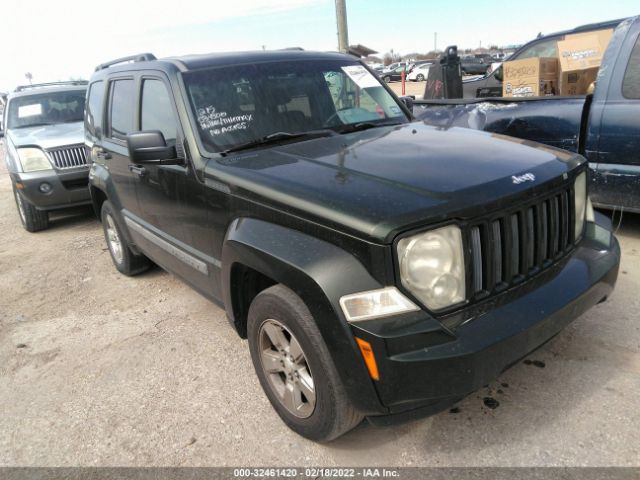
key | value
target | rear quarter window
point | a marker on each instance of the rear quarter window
(93, 121)
(631, 80)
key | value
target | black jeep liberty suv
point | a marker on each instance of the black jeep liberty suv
(378, 267)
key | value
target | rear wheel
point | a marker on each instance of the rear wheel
(420, 77)
(123, 257)
(295, 368)
(33, 220)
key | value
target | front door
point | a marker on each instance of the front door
(618, 158)
(168, 195)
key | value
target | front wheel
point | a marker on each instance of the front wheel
(295, 368)
(420, 77)
(386, 79)
(33, 220)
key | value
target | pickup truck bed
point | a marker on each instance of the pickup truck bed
(604, 127)
(554, 121)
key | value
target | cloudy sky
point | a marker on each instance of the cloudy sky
(56, 40)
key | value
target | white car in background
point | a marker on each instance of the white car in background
(420, 72)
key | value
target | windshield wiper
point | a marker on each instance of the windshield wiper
(357, 127)
(279, 136)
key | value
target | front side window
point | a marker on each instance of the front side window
(631, 81)
(122, 108)
(236, 105)
(157, 110)
(46, 109)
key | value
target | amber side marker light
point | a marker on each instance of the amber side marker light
(369, 358)
(20, 185)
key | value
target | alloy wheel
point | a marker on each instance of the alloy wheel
(285, 366)
(113, 239)
(20, 203)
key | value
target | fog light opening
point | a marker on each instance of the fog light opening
(45, 188)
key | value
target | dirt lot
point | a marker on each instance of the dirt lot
(411, 88)
(100, 369)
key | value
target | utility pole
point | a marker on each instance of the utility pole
(343, 33)
(435, 41)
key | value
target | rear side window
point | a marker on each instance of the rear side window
(94, 108)
(157, 111)
(122, 107)
(631, 81)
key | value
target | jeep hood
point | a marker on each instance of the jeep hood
(379, 182)
(48, 136)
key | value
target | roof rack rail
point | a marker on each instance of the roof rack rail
(300, 49)
(141, 57)
(20, 88)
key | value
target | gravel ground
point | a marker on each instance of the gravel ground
(411, 88)
(100, 369)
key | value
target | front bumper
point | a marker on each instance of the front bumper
(425, 367)
(68, 189)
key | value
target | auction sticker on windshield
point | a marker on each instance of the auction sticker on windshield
(29, 110)
(361, 76)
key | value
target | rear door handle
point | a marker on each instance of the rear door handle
(140, 171)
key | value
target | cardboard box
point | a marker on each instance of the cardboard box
(530, 77)
(577, 82)
(604, 36)
(580, 57)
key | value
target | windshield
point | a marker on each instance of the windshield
(46, 109)
(242, 104)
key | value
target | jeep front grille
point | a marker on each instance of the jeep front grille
(507, 249)
(72, 156)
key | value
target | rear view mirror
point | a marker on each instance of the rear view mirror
(150, 147)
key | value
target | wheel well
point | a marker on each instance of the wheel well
(245, 284)
(98, 197)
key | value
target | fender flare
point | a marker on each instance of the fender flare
(320, 273)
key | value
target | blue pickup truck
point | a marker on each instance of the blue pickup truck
(604, 126)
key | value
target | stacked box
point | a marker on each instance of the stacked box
(530, 77)
(580, 57)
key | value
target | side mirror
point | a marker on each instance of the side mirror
(408, 102)
(497, 73)
(150, 147)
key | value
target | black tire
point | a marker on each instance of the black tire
(386, 79)
(420, 77)
(332, 414)
(33, 220)
(123, 258)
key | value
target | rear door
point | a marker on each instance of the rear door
(121, 111)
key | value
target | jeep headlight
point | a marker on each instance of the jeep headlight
(580, 203)
(33, 160)
(432, 267)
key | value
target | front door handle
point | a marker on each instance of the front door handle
(140, 171)
(102, 155)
